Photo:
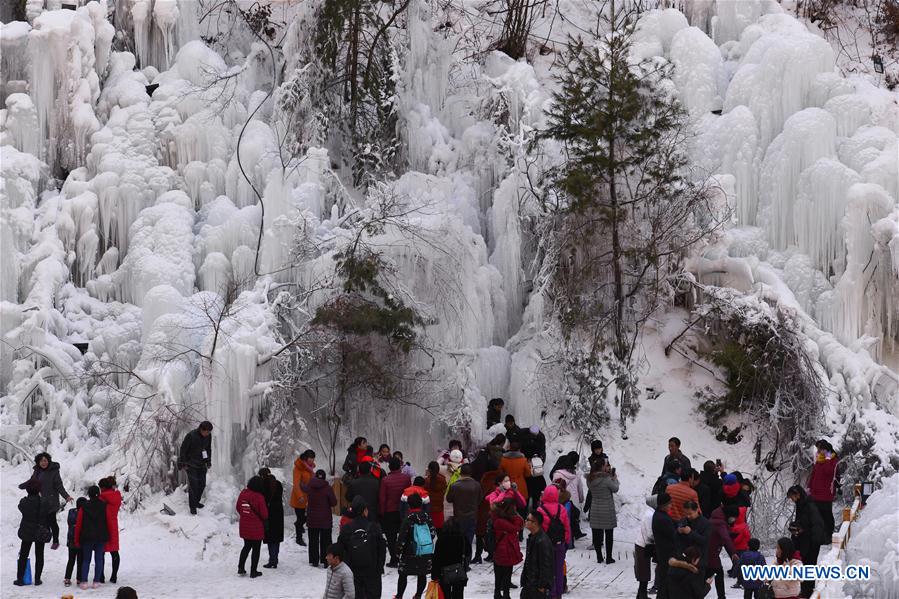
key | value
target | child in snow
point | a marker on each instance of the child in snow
(74, 552)
(752, 557)
(31, 531)
(739, 532)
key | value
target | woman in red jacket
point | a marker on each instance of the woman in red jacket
(507, 552)
(111, 496)
(253, 514)
(821, 488)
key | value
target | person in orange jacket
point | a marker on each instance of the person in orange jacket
(303, 471)
(517, 467)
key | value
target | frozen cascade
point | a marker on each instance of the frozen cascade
(807, 136)
(658, 27)
(732, 17)
(851, 111)
(14, 61)
(860, 298)
(792, 60)
(21, 129)
(698, 71)
(165, 16)
(729, 144)
(506, 256)
(819, 209)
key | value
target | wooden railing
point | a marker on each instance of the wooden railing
(837, 546)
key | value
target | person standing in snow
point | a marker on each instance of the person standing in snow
(694, 531)
(451, 469)
(821, 483)
(675, 454)
(339, 584)
(671, 477)
(195, 457)
(710, 479)
(505, 489)
(383, 457)
(538, 572)
(415, 547)
(665, 536)
(368, 488)
(321, 500)
(436, 484)
(484, 525)
(365, 551)
(603, 485)
(534, 449)
(682, 492)
(303, 468)
(495, 411)
(110, 495)
(557, 526)
(507, 525)
(465, 496)
(719, 538)
(354, 455)
(32, 530)
(252, 514)
(91, 535)
(46, 473)
(568, 472)
(74, 553)
(407, 468)
(449, 557)
(517, 467)
(274, 529)
(513, 432)
(644, 549)
(389, 498)
(808, 532)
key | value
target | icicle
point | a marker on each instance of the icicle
(165, 15)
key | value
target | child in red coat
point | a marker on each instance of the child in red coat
(739, 532)
(253, 514)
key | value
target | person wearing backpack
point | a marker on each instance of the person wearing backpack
(415, 547)
(74, 552)
(558, 528)
(538, 572)
(91, 535)
(31, 530)
(364, 550)
(252, 513)
(448, 564)
(506, 525)
(603, 485)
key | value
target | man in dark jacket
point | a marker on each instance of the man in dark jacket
(710, 488)
(674, 454)
(365, 551)
(196, 458)
(665, 535)
(389, 496)
(808, 532)
(46, 474)
(368, 488)
(538, 572)
(91, 534)
(465, 495)
(694, 532)
(719, 537)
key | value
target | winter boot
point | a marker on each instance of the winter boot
(255, 574)
(479, 548)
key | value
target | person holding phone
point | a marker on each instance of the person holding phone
(196, 458)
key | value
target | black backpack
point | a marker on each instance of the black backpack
(556, 530)
(490, 537)
(360, 549)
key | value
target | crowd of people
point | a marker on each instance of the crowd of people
(465, 510)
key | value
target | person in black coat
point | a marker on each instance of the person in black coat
(365, 550)
(410, 563)
(449, 553)
(665, 535)
(538, 573)
(368, 488)
(274, 526)
(808, 532)
(46, 473)
(91, 535)
(354, 455)
(710, 489)
(31, 531)
(495, 411)
(686, 579)
(695, 532)
(195, 458)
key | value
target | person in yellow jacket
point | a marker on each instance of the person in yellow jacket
(303, 471)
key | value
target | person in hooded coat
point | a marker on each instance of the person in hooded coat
(318, 516)
(603, 485)
(449, 551)
(567, 471)
(29, 533)
(553, 510)
(46, 473)
(252, 514)
(411, 564)
(110, 495)
(274, 529)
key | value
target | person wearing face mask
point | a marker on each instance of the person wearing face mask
(505, 489)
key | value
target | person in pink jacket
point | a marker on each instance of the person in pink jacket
(505, 489)
(553, 515)
(253, 513)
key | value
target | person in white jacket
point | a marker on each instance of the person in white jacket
(339, 584)
(644, 548)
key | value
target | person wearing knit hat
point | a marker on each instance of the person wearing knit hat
(733, 491)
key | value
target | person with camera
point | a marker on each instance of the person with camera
(807, 530)
(195, 458)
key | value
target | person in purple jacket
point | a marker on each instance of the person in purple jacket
(319, 518)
